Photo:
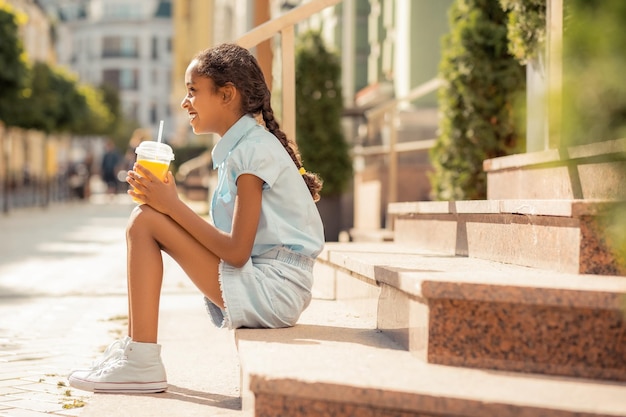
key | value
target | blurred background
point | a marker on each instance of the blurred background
(396, 100)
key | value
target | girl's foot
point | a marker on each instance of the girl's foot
(110, 353)
(135, 369)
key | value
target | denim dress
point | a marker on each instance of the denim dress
(274, 286)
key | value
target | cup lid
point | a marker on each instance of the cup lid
(155, 150)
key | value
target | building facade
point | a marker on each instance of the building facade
(36, 32)
(200, 24)
(126, 45)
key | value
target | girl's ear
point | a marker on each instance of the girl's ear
(228, 93)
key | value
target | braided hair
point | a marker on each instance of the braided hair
(230, 63)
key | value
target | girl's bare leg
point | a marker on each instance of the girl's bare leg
(148, 233)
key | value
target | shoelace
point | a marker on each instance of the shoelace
(110, 353)
(116, 359)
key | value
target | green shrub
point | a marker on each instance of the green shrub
(13, 65)
(594, 59)
(526, 27)
(319, 106)
(594, 92)
(484, 85)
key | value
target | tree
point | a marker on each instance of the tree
(57, 103)
(121, 127)
(319, 106)
(483, 84)
(13, 66)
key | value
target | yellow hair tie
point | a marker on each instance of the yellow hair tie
(302, 171)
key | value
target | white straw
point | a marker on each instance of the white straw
(160, 131)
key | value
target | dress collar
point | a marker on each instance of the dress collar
(231, 138)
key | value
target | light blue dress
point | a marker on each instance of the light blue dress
(274, 286)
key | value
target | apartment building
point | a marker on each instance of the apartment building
(127, 45)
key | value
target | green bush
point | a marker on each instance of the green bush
(13, 65)
(39, 96)
(594, 92)
(55, 102)
(319, 106)
(594, 59)
(526, 27)
(484, 87)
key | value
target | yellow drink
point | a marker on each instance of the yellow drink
(158, 168)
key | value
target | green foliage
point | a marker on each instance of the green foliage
(98, 118)
(483, 87)
(121, 128)
(319, 105)
(13, 66)
(594, 92)
(526, 27)
(55, 102)
(42, 97)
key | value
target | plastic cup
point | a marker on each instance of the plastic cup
(156, 156)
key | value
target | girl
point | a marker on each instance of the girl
(254, 262)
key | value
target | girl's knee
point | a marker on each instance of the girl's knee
(142, 218)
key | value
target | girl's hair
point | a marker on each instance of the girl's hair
(230, 63)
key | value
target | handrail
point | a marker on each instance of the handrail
(291, 18)
(392, 149)
(418, 92)
(414, 146)
(285, 26)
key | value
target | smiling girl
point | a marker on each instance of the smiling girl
(253, 262)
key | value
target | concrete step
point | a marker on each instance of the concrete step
(475, 313)
(334, 362)
(560, 235)
(593, 171)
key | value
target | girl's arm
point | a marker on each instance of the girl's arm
(234, 247)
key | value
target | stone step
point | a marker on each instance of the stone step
(475, 313)
(593, 171)
(560, 235)
(335, 363)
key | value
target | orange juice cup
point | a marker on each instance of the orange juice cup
(156, 156)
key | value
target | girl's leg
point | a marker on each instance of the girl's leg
(148, 233)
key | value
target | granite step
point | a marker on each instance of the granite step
(469, 312)
(592, 171)
(335, 362)
(559, 235)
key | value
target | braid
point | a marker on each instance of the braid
(311, 179)
(230, 63)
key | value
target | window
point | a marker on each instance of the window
(155, 48)
(153, 113)
(120, 47)
(121, 10)
(121, 79)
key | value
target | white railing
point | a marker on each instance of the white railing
(388, 111)
(285, 25)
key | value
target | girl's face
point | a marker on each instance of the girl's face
(202, 103)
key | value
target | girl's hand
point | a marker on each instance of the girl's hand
(150, 190)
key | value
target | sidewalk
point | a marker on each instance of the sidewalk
(63, 299)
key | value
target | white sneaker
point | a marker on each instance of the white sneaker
(110, 353)
(136, 369)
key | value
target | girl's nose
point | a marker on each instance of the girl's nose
(184, 103)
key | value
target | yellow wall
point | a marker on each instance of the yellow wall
(193, 31)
